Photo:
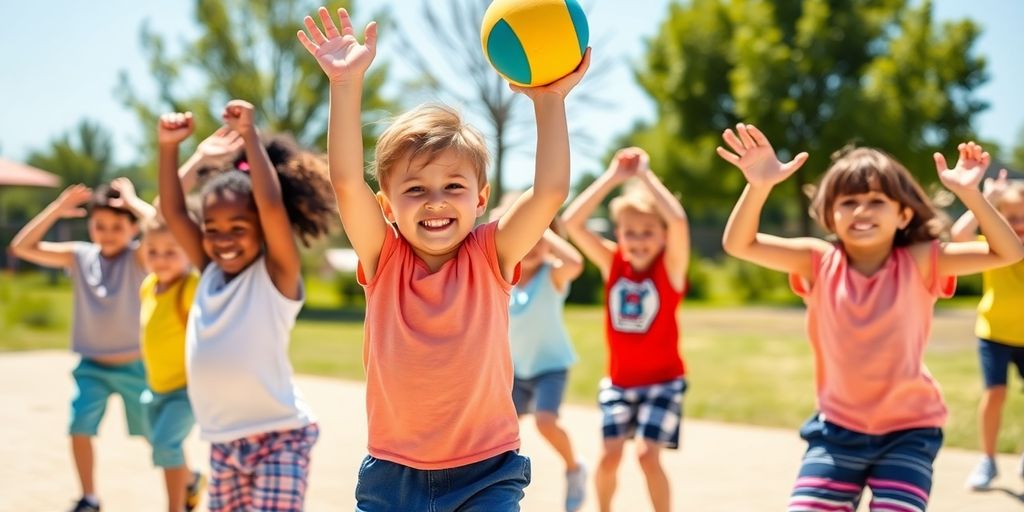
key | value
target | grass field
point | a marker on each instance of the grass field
(746, 365)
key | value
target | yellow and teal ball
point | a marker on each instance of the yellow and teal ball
(534, 42)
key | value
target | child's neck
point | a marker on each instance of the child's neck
(162, 286)
(868, 260)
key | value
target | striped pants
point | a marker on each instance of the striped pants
(839, 463)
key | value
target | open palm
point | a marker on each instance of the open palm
(339, 53)
(753, 154)
(221, 146)
(970, 167)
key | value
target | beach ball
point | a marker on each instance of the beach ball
(534, 42)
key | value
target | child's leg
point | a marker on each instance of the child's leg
(833, 471)
(995, 361)
(81, 449)
(129, 381)
(901, 477)
(280, 475)
(170, 420)
(550, 390)
(649, 455)
(87, 408)
(659, 417)
(606, 476)
(230, 484)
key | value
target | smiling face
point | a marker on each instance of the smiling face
(111, 230)
(163, 256)
(232, 236)
(641, 237)
(869, 219)
(434, 202)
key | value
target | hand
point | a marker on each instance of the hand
(753, 154)
(970, 167)
(340, 55)
(126, 190)
(626, 164)
(174, 127)
(238, 115)
(71, 199)
(560, 87)
(220, 147)
(991, 188)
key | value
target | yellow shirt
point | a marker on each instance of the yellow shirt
(1001, 306)
(163, 318)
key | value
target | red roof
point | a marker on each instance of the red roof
(15, 174)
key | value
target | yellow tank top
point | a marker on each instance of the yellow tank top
(1001, 306)
(164, 316)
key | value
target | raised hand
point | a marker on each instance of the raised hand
(626, 163)
(562, 86)
(69, 203)
(753, 154)
(990, 188)
(126, 191)
(339, 54)
(970, 167)
(220, 147)
(238, 116)
(174, 127)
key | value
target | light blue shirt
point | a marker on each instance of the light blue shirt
(537, 332)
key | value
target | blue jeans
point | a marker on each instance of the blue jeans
(995, 360)
(492, 485)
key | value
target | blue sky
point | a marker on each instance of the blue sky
(52, 75)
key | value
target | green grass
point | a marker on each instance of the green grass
(746, 365)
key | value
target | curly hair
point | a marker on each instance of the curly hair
(305, 186)
(861, 170)
(101, 200)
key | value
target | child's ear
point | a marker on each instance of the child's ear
(385, 206)
(906, 215)
(481, 200)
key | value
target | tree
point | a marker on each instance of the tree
(814, 75)
(247, 50)
(84, 154)
(453, 66)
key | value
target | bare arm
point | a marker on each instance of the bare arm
(171, 130)
(569, 264)
(524, 223)
(965, 229)
(753, 154)
(345, 62)
(28, 244)
(677, 243)
(214, 151)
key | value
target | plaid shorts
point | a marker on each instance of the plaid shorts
(656, 411)
(265, 472)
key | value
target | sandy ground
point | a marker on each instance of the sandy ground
(721, 467)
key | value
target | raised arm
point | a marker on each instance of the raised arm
(1001, 246)
(524, 223)
(130, 201)
(965, 229)
(677, 243)
(216, 150)
(345, 62)
(171, 130)
(753, 154)
(569, 261)
(283, 263)
(595, 247)
(28, 244)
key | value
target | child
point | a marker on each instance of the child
(166, 296)
(869, 301)
(106, 273)
(443, 433)
(645, 279)
(250, 292)
(999, 329)
(541, 350)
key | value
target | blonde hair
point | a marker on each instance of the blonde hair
(635, 198)
(1013, 188)
(154, 224)
(429, 130)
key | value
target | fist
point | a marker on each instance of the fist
(174, 127)
(238, 115)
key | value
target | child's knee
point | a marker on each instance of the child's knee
(649, 457)
(611, 455)
(995, 395)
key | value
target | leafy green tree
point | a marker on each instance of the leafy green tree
(247, 50)
(814, 75)
(84, 154)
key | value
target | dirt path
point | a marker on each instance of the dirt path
(721, 467)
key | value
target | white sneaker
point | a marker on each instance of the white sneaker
(577, 488)
(983, 474)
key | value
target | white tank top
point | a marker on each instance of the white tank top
(236, 348)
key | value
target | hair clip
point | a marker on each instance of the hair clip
(242, 166)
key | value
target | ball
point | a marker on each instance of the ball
(534, 42)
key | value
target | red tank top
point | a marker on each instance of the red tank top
(640, 324)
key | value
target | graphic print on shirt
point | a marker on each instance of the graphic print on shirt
(634, 306)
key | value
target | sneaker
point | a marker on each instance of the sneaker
(194, 491)
(983, 474)
(577, 491)
(85, 505)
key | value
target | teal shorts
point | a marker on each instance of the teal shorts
(94, 383)
(169, 420)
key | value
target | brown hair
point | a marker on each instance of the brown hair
(101, 200)
(861, 170)
(427, 131)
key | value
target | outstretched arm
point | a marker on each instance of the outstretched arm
(965, 229)
(524, 223)
(28, 244)
(1001, 246)
(570, 261)
(216, 150)
(677, 243)
(753, 154)
(283, 263)
(345, 62)
(171, 130)
(598, 249)
(130, 201)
